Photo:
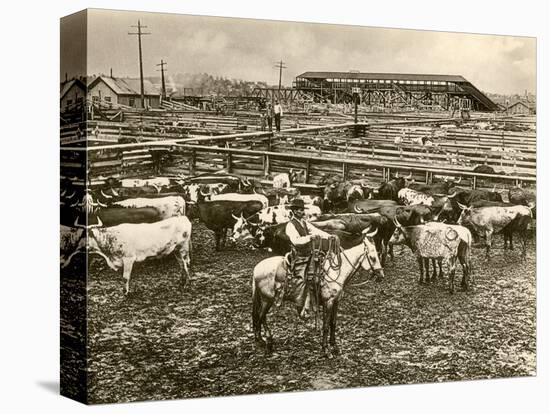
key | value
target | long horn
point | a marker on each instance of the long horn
(75, 204)
(372, 233)
(63, 192)
(494, 188)
(76, 223)
(115, 193)
(357, 209)
(446, 178)
(105, 195)
(234, 216)
(408, 177)
(204, 194)
(396, 222)
(462, 206)
(453, 195)
(397, 174)
(459, 180)
(99, 222)
(71, 196)
(99, 203)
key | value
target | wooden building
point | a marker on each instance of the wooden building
(108, 90)
(72, 94)
(521, 108)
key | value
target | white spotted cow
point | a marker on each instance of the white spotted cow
(170, 206)
(125, 244)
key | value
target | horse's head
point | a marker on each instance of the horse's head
(371, 260)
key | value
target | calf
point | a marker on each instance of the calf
(123, 245)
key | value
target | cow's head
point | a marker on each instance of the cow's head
(354, 192)
(465, 215)
(442, 206)
(88, 204)
(241, 229)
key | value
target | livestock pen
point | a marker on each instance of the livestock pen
(395, 331)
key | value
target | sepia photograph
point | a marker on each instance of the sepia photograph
(254, 206)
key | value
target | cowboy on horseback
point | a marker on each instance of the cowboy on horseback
(303, 236)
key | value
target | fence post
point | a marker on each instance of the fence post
(308, 167)
(192, 162)
(229, 159)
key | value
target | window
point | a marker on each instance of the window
(132, 101)
(69, 102)
(95, 98)
(107, 99)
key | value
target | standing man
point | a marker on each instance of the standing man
(278, 110)
(301, 234)
(269, 116)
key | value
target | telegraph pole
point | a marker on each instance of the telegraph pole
(281, 66)
(139, 34)
(161, 64)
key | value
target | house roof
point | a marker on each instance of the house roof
(529, 105)
(66, 86)
(126, 86)
(384, 76)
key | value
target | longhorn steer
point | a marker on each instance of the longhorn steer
(166, 206)
(123, 245)
(437, 241)
(389, 190)
(490, 220)
(220, 215)
(245, 227)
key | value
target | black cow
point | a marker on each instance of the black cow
(441, 187)
(389, 190)
(113, 216)
(368, 206)
(274, 238)
(220, 215)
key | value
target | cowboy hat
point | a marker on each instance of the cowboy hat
(296, 203)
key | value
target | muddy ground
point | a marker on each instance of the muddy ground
(162, 343)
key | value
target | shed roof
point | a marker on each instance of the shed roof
(126, 86)
(384, 76)
(66, 86)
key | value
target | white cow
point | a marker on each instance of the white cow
(154, 182)
(170, 206)
(123, 245)
(239, 197)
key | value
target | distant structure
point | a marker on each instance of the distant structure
(73, 93)
(522, 108)
(391, 90)
(107, 90)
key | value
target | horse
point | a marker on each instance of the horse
(269, 276)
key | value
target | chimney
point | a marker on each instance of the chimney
(111, 72)
(66, 77)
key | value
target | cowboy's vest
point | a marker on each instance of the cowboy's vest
(304, 249)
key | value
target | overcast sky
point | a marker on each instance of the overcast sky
(248, 49)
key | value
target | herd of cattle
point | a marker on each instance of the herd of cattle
(127, 221)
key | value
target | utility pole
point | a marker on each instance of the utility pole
(139, 34)
(161, 64)
(281, 66)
